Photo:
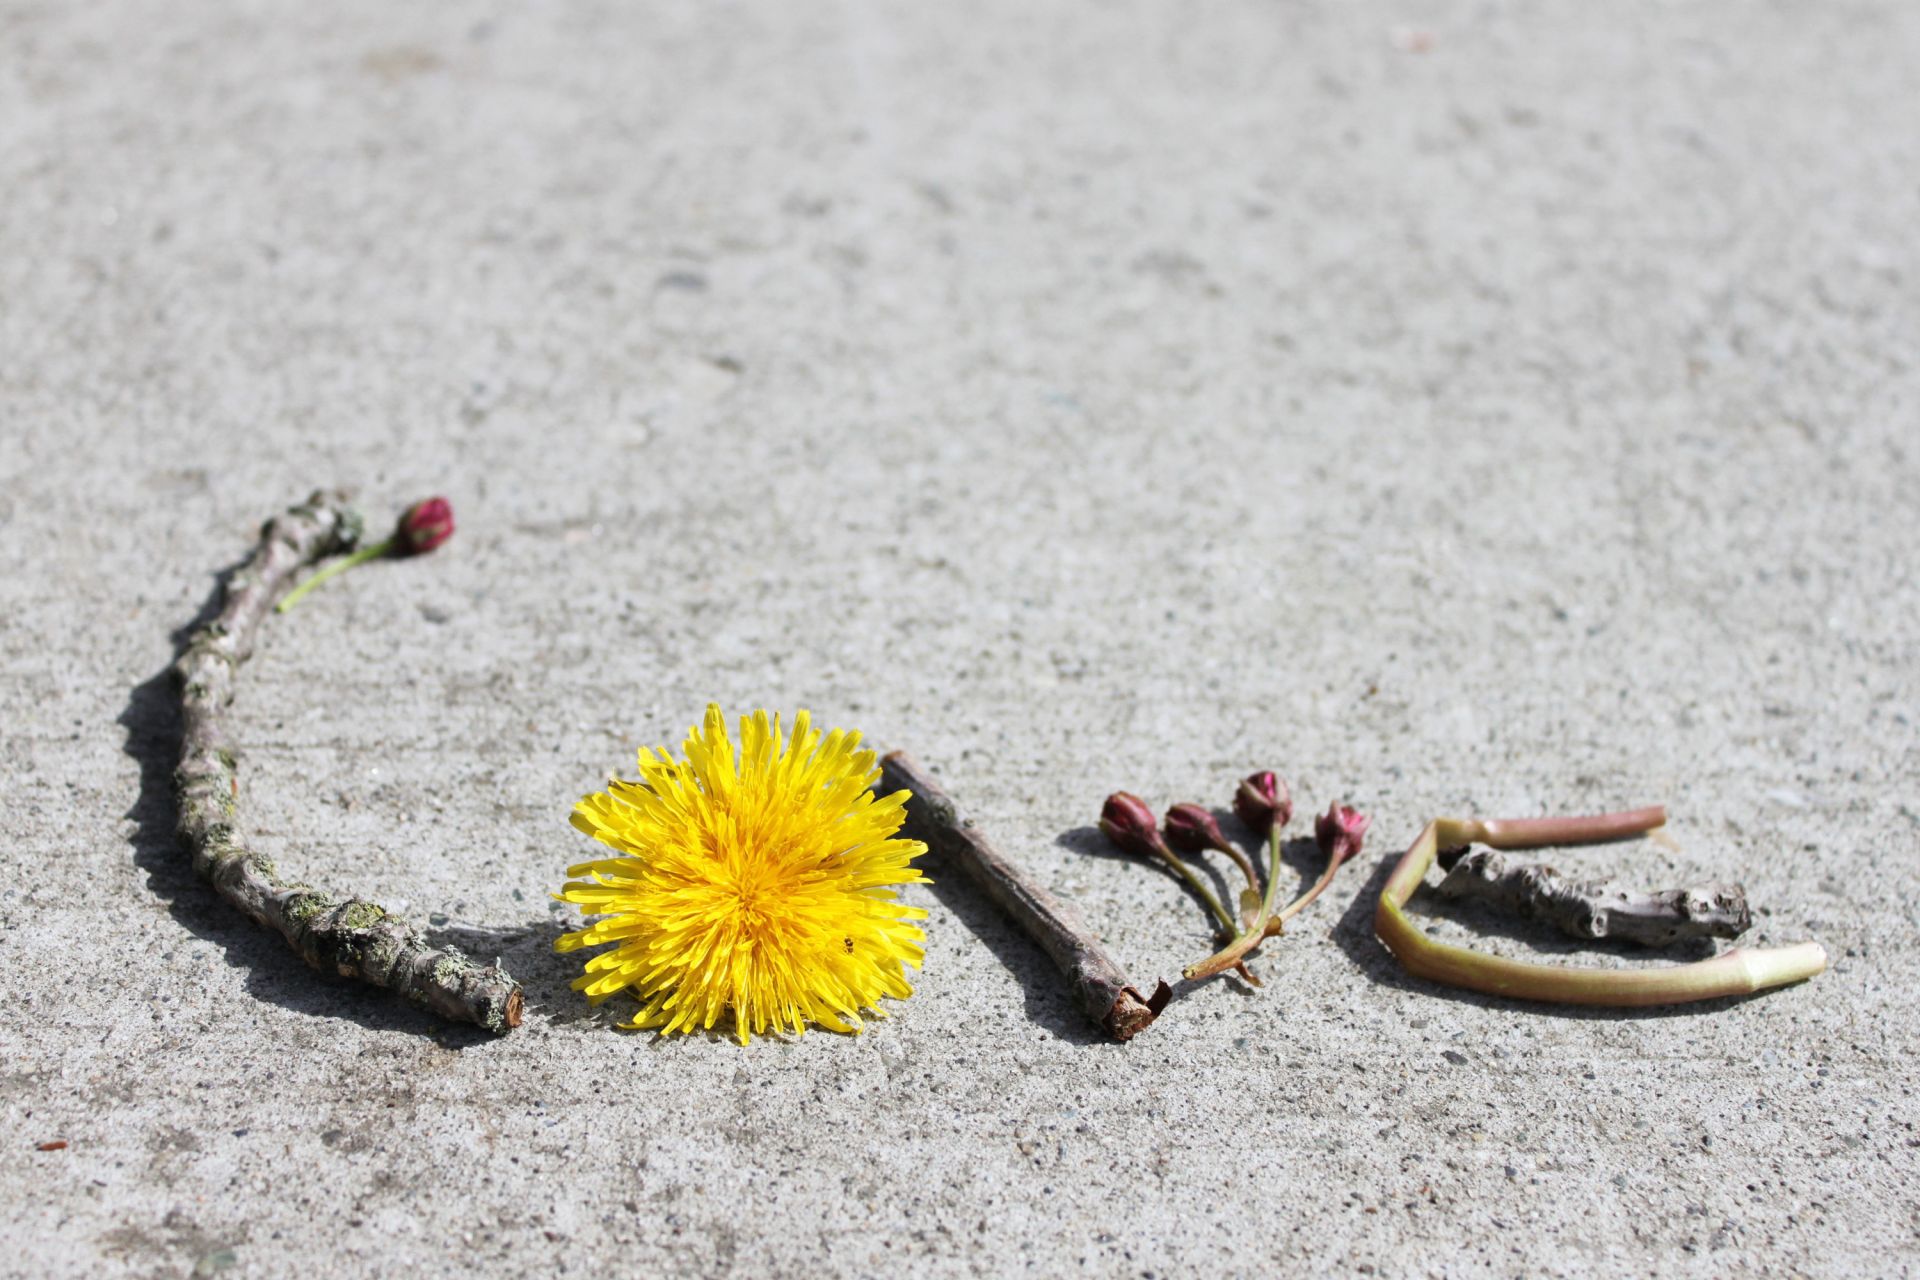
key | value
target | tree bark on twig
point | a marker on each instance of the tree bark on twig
(1099, 985)
(1589, 909)
(353, 938)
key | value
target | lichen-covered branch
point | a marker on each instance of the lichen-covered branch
(1589, 909)
(352, 938)
(1100, 986)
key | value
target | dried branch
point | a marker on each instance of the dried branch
(355, 939)
(1100, 986)
(1589, 909)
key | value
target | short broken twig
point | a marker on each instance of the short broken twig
(353, 938)
(1100, 986)
(1589, 909)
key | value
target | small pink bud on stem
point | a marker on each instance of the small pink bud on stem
(425, 525)
(1263, 801)
(1191, 829)
(1339, 831)
(1129, 822)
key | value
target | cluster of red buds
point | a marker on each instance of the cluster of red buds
(1264, 804)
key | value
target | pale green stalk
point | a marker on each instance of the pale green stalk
(339, 566)
(1235, 952)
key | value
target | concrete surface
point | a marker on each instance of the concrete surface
(1498, 408)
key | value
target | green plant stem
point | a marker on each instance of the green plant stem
(1241, 860)
(340, 566)
(1200, 889)
(1235, 951)
(1738, 972)
(1299, 904)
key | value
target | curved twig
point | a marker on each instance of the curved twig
(355, 939)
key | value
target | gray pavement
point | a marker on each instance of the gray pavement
(1500, 409)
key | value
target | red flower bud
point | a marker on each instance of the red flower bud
(426, 525)
(1263, 801)
(1191, 829)
(1130, 824)
(1339, 831)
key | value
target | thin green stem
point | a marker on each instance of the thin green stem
(1299, 904)
(1256, 931)
(339, 566)
(1241, 860)
(1200, 889)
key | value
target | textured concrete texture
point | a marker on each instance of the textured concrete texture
(1505, 409)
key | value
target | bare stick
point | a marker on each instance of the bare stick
(1590, 909)
(353, 938)
(1100, 986)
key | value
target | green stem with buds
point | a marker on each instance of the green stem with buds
(1741, 971)
(1199, 887)
(1241, 860)
(1294, 908)
(340, 566)
(1234, 953)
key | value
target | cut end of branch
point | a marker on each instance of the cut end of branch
(510, 1014)
(1132, 1013)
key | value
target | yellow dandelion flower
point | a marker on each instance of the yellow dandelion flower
(758, 882)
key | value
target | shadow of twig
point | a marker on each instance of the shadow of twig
(1045, 996)
(545, 975)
